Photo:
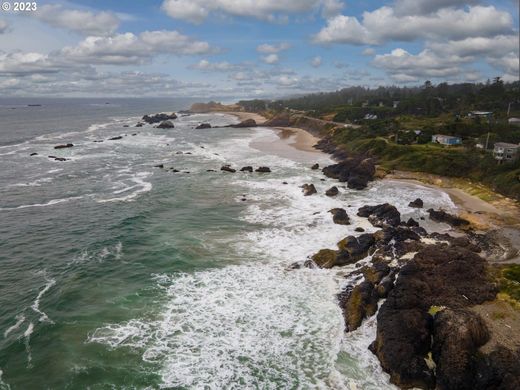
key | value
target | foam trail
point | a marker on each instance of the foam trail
(49, 203)
(3, 385)
(36, 305)
(27, 335)
(20, 318)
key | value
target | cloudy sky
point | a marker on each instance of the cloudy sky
(251, 48)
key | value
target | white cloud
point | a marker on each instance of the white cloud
(423, 7)
(81, 21)
(196, 11)
(224, 66)
(128, 48)
(405, 67)
(478, 46)
(272, 49)
(271, 59)
(21, 64)
(383, 25)
(3, 26)
(316, 62)
(509, 64)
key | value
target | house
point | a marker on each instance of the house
(505, 152)
(514, 121)
(481, 114)
(396, 103)
(446, 139)
(370, 117)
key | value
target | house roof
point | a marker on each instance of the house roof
(481, 112)
(506, 145)
(446, 136)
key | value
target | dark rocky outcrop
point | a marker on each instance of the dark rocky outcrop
(333, 191)
(166, 125)
(244, 124)
(457, 335)
(203, 126)
(357, 172)
(381, 215)
(340, 216)
(417, 203)
(158, 118)
(139, 124)
(263, 170)
(412, 223)
(227, 168)
(315, 167)
(499, 369)
(450, 219)
(159, 166)
(309, 189)
(64, 146)
(355, 248)
(33, 154)
(359, 230)
(116, 138)
(437, 277)
(247, 169)
(58, 158)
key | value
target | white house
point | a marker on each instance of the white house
(505, 152)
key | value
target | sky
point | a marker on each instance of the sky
(234, 49)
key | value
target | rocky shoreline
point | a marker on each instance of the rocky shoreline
(423, 288)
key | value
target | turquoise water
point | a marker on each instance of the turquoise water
(116, 274)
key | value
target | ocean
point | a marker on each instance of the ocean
(117, 274)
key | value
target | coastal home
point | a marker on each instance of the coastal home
(476, 114)
(514, 121)
(505, 152)
(446, 139)
(370, 117)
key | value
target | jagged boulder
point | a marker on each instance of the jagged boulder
(417, 203)
(157, 118)
(333, 191)
(166, 125)
(356, 248)
(227, 168)
(450, 219)
(357, 172)
(457, 336)
(340, 216)
(247, 169)
(309, 189)
(63, 146)
(438, 276)
(203, 126)
(361, 303)
(263, 170)
(381, 215)
(315, 167)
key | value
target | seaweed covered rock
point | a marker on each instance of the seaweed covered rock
(361, 303)
(325, 258)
